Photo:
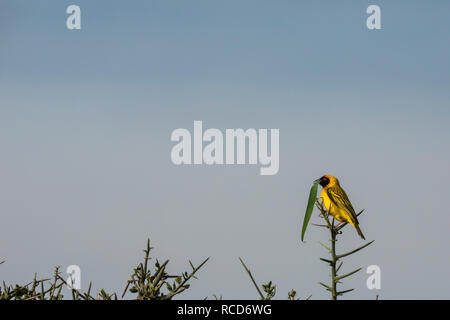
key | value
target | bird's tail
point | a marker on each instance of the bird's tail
(359, 231)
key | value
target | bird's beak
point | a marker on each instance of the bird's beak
(317, 180)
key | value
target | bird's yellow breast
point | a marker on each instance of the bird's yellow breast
(336, 212)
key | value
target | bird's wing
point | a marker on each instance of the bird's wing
(339, 198)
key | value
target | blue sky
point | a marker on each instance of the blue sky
(86, 118)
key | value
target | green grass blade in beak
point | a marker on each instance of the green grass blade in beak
(310, 207)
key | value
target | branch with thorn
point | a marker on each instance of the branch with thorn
(334, 260)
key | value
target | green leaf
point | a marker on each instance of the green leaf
(310, 207)
(133, 290)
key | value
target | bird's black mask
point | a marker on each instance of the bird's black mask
(324, 181)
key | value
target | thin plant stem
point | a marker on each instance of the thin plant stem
(334, 261)
(253, 280)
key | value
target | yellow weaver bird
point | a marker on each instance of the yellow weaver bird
(337, 203)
